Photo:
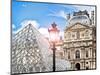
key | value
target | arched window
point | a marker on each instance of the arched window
(78, 34)
(86, 53)
(77, 54)
(68, 55)
(69, 35)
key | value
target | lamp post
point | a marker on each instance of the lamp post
(54, 38)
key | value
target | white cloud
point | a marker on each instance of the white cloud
(33, 22)
(24, 5)
(88, 8)
(25, 23)
(61, 34)
(44, 31)
(61, 14)
(80, 7)
(13, 26)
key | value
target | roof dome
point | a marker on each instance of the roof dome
(83, 19)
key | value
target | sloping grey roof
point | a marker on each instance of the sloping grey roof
(83, 19)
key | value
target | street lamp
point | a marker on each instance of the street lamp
(54, 38)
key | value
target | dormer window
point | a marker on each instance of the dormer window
(77, 54)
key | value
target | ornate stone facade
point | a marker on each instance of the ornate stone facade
(80, 41)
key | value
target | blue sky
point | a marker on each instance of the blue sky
(42, 13)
